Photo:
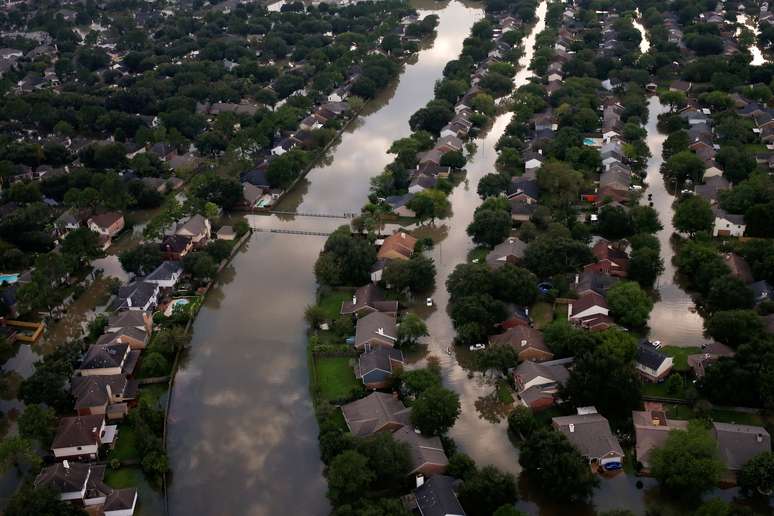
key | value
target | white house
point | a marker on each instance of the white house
(652, 364)
(587, 305)
(727, 224)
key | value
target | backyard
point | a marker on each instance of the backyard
(335, 378)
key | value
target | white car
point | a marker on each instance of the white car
(656, 344)
(477, 347)
(429, 301)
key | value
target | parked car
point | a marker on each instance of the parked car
(477, 347)
(429, 301)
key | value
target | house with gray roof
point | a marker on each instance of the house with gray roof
(727, 224)
(740, 443)
(140, 295)
(538, 383)
(197, 228)
(81, 437)
(651, 429)
(377, 329)
(510, 251)
(107, 395)
(652, 364)
(437, 497)
(377, 412)
(377, 368)
(762, 291)
(591, 435)
(710, 354)
(135, 338)
(108, 359)
(166, 275)
(84, 484)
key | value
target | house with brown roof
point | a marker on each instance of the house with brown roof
(427, 455)
(710, 354)
(377, 412)
(651, 429)
(367, 299)
(81, 436)
(590, 434)
(136, 339)
(197, 228)
(108, 224)
(590, 311)
(398, 246)
(528, 343)
(510, 251)
(108, 395)
(175, 247)
(614, 261)
(108, 359)
(376, 330)
(538, 384)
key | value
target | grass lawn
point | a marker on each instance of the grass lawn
(680, 412)
(731, 416)
(680, 356)
(335, 378)
(504, 393)
(126, 445)
(560, 312)
(542, 313)
(123, 477)
(331, 303)
(657, 389)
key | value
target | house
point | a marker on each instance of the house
(375, 330)
(84, 484)
(682, 86)
(399, 205)
(525, 190)
(130, 319)
(166, 275)
(528, 343)
(613, 261)
(651, 429)
(738, 267)
(197, 228)
(709, 355)
(427, 455)
(108, 224)
(422, 182)
(377, 412)
(521, 211)
(538, 384)
(367, 299)
(67, 221)
(511, 251)
(251, 195)
(449, 143)
(762, 291)
(712, 187)
(140, 295)
(519, 317)
(398, 246)
(108, 360)
(652, 364)
(587, 307)
(107, 395)
(81, 437)
(727, 224)
(432, 156)
(593, 281)
(226, 233)
(740, 443)
(135, 338)
(175, 247)
(376, 368)
(590, 433)
(436, 497)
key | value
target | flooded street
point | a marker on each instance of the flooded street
(241, 418)
(751, 23)
(673, 320)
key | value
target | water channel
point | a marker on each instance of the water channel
(242, 434)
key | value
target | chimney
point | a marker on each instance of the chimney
(572, 428)
(354, 300)
(759, 438)
(577, 278)
(380, 331)
(523, 342)
(66, 464)
(420, 480)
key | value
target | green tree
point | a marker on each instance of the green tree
(349, 475)
(733, 327)
(553, 463)
(522, 422)
(515, 285)
(411, 328)
(430, 204)
(389, 458)
(687, 465)
(435, 410)
(685, 165)
(486, 490)
(346, 259)
(18, 452)
(729, 293)
(693, 214)
(492, 184)
(82, 244)
(560, 184)
(154, 364)
(40, 501)
(629, 304)
(547, 255)
(757, 476)
(200, 265)
(39, 423)
(490, 227)
(142, 259)
(645, 265)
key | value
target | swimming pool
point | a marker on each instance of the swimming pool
(172, 304)
(8, 278)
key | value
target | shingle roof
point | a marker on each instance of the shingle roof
(196, 225)
(78, 431)
(104, 356)
(120, 499)
(649, 356)
(91, 391)
(521, 338)
(64, 479)
(379, 358)
(436, 497)
(368, 296)
(510, 249)
(740, 443)
(423, 450)
(369, 327)
(651, 430)
(589, 433)
(165, 272)
(368, 415)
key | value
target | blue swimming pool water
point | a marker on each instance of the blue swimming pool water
(8, 278)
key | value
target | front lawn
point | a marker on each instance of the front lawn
(126, 444)
(335, 378)
(680, 356)
(542, 313)
(331, 303)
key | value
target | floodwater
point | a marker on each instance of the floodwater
(242, 435)
(757, 56)
(674, 319)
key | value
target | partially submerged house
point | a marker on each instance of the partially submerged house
(709, 355)
(538, 384)
(427, 455)
(740, 443)
(437, 497)
(375, 330)
(109, 359)
(399, 246)
(510, 251)
(528, 343)
(590, 433)
(651, 429)
(367, 299)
